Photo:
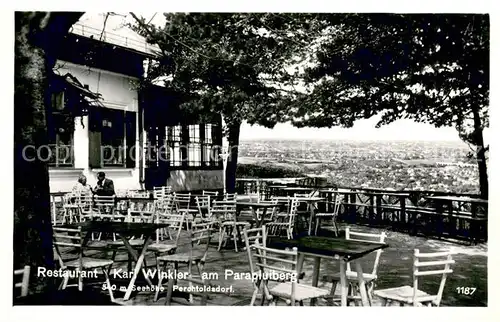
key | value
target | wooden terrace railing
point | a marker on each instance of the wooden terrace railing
(456, 216)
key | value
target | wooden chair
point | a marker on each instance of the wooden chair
(286, 205)
(104, 209)
(329, 215)
(57, 202)
(161, 247)
(142, 205)
(304, 210)
(254, 236)
(284, 224)
(195, 256)
(270, 213)
(141, 216)
(90, 211)
(224, 213)
(268, 260)
(352, 276)
(203, 204)
(230, 196)
(25, 280)
(70, 208)
(173, 231)
(413, 295)
(210, 193)
(166, 204)
(87, 209)
(105, 205)
(161, 192)
(182, 200)
(65, 238)
(182, 204)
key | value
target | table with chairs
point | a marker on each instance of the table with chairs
(261, 211)
(309, 213)
(352, 275)
(176, 232)
(224, 213)
(266, 252)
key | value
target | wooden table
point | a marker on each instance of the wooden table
(125, 231)
(330, 248)
(310, 201)
(253, 207)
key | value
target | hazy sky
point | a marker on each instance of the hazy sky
(362, 130)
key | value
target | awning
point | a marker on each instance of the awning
(73, 82)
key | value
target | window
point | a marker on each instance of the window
(174, 145)
(60, 138)
(211, 148)
(61, 149)
(193, 146)
(112, 138)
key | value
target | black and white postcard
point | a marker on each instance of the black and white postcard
(251, 159)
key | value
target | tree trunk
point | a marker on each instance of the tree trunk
(480, 156)
(36, 34)
(233, 135)
(32, 221)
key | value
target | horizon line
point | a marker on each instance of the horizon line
(348, 139)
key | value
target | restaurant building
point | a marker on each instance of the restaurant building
(136, 134)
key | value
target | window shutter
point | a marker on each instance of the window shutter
(130, 128)
(95, 124)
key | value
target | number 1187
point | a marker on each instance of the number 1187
(466, 290)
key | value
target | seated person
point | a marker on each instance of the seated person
(81, 188)
(105, 187)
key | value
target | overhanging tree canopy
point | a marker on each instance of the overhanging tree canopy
(431, 68)
(229, 64)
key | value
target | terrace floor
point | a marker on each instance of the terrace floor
(470, 270)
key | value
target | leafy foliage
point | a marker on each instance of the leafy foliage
(429, 68)
(228, 63)
(265, 171)
(426, 67)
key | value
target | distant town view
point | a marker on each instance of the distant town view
(415, 165)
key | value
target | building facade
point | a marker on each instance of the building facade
(136, 134)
